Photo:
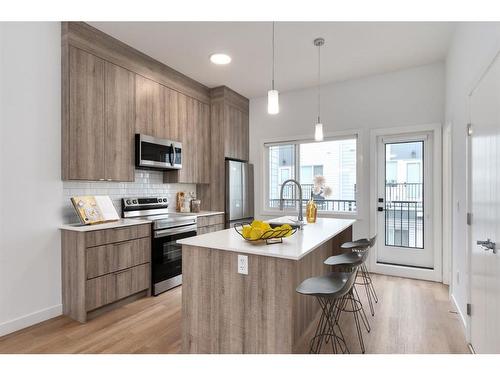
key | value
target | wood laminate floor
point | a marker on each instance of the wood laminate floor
(412, 316)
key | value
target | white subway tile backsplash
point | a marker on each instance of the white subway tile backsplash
(147, 183)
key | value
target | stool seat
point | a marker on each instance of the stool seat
(364, 242)
(349, 259)
(334, 284)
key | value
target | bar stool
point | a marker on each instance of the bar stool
(330, 291)
(364, 277)
(351, 302)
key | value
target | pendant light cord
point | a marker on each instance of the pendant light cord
(319, 86)
(273, 58)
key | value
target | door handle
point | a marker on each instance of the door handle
(488, 245)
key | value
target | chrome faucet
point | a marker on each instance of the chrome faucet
(300, 218)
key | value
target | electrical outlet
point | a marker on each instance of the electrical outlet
(243, 264)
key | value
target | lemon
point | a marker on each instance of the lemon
(255, 233)
(246, 231)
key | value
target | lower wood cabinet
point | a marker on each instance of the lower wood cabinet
(210, 223)
(101, 268)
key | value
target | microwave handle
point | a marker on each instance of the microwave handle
(172, 161)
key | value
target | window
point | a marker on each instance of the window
(331, 162)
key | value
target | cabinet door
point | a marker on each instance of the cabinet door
(119, 123)
(149, 107)
(86, 116)
(171, 108)
(236, 133)
(202, 139)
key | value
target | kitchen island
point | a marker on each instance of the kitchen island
(224, 311)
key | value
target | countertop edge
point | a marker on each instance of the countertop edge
(77, 227)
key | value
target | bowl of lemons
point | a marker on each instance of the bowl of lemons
(260, 231)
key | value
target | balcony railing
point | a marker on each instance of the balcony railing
(291, 200)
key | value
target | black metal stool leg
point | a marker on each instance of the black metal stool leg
(372, 287)
(366, 284)
(360, 308)
(355, 312)
(327, 328)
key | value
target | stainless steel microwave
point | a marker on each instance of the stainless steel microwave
(157, 153)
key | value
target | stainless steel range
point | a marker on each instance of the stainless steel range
(168, 227)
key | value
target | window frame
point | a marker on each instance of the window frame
(351, 134)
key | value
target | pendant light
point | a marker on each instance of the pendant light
(273, 106)
(318, 129)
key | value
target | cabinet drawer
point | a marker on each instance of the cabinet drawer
(106, 236)
(100, 291)
(112, 287)
(105, 259)
(203, 221)
(132, 280)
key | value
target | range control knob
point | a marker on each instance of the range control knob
(164, 199)
(128, 201)
(134, 201)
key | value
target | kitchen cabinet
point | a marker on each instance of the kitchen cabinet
(229, 139)
(119, 123)
(83, 154)
(190, 122)
(236, 133)
(98, 120)
(210, 223)
(103, 268)
(149, 107)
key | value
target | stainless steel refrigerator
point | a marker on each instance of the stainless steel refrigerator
(239, 192)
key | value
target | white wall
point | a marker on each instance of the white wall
(403, 98)
(31, 187)
(472, 48)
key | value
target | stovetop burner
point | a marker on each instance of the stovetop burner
(156, 210)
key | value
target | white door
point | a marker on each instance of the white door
(404, 200)
(484, 184)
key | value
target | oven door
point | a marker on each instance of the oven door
(167, 257)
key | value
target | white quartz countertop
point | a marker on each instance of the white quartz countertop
(294, 247)
(112, 224)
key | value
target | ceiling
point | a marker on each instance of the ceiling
(352, 49)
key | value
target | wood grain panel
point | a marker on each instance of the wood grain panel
(226, 312)
(73, 274)
(107, 236)
(132, 280)
(90, 39)
(86, 116)
(100, 291)
(119, 123)
(149, 107)
(101, 260)
(210, 220)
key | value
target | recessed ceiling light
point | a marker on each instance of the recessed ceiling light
(220, 58)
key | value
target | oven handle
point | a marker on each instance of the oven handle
(170, 231)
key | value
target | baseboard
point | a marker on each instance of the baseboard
(460, 314)
(29, 319)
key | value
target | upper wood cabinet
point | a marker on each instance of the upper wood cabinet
(189, 123)
(149, 107)
(98, 119)
(83, 134)
(236, 133)
(119, 122)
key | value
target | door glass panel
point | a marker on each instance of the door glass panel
(404, 200)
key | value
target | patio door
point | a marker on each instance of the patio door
(404, 200)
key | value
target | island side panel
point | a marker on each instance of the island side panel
(227, 312)
(306, 310)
